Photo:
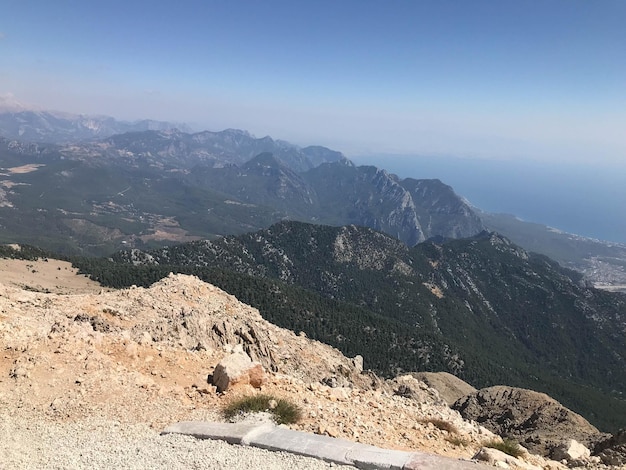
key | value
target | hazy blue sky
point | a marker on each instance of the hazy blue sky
(542, 79)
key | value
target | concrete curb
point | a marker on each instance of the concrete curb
(339, 451)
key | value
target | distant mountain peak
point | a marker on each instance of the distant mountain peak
(238, 133)
(502, 243)
(265, 159)
(25, 122)
(9, 104)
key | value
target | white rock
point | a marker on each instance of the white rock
(498, 458)
(571, 450)
(237, 368)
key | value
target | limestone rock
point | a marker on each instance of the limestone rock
(408, 386)
(499, 459)
(535, 420)
(357, 362)
(571, 450)
(199, 316)
(237, 369)
(450, 388)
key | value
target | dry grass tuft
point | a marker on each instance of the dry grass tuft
(441, 424)
(284, 411)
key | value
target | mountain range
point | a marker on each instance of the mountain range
(404, 272)
(27, 123)
(149, 188)
(168, 186)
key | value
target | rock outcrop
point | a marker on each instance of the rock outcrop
(450, 387)
(612, 451)
(208, 318)
(538, 422)
(570, 451)
(409, 387)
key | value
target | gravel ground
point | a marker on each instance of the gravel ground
(110, 445)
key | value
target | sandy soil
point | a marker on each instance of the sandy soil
(51, 276)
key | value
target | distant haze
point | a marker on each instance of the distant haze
(539, 82)
(490, 79)
(588, 200)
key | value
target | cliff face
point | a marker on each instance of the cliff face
(410, 210)
(441, 210)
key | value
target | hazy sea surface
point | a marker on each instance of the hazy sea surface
(584, 199)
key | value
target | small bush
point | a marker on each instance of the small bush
(441, 424)
(508, 446)
(284, 411)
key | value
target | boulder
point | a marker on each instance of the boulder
(357, 362)
(538, 422)
(408, 386)
(237, 369)
(570, 451)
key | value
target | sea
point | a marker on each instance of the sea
(586, 199)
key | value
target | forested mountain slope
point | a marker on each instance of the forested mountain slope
(151, 188)
(480, 307)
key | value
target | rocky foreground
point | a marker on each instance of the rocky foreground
(102, 367)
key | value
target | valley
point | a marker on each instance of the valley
(150, 188)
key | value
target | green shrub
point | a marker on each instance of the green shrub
(284, 412)
(508, 446)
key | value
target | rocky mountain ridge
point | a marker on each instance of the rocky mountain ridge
(32, 125)
(49, 127)
(482, 308)
(175, 149)
(143, 355)
(148, 153)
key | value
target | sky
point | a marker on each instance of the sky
(541, 80)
